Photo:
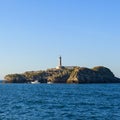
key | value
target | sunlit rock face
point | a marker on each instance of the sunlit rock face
(98, 74)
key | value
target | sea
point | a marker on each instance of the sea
(59, 101)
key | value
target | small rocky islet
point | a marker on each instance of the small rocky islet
(99, 74)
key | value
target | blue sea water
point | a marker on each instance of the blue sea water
(60, 102)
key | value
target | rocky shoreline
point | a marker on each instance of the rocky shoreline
(77, 75)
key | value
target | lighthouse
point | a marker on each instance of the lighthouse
(60, 66)
(60, 63)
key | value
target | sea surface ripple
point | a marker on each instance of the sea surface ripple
(60, 102)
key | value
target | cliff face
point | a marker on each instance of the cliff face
(76, 75)
(51, 75)
(96, 75)
(15, 78)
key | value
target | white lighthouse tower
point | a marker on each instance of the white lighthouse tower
(60, 63)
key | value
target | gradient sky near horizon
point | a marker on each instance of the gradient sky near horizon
(33, 33)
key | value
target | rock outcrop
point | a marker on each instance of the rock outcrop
(97, 74)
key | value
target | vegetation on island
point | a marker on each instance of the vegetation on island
(97, 74)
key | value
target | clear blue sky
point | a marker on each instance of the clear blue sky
(33, 33)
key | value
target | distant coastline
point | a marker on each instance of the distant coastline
(1, 81)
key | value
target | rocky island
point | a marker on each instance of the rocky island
(62, 74)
